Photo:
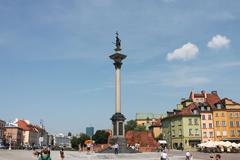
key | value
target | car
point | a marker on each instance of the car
(3, 147)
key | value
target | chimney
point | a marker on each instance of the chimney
(204, 94)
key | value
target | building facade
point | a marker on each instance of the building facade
(90, 131)
(61, 140)
(13, 136)
(2, 127)
(181, 128)
(226, 117)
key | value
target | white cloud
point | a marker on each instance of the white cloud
(219, 41)
(186, 52)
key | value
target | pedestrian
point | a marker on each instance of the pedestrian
(45, 155)
(62, 154)
(218, 157)
(116, 148)
(88, 148)
(188, 155)
(164, 155)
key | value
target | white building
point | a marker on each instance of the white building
(62, 141)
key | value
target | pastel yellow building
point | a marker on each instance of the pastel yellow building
(226, 117)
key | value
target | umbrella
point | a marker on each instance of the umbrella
(210, 144)
(227, 144)
(235, 145)
(88, 142)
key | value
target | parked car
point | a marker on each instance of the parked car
(3, 147)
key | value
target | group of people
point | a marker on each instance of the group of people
(44, 154)
(188, 156)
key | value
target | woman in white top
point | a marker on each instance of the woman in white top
(164, 156)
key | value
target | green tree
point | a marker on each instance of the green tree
(140, 128)
(75, 142)
(130, 125)
(100, 137)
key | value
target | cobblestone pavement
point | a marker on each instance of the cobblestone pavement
(71, 155)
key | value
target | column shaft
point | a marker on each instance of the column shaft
(118, 90)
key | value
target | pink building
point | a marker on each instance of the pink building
(206, 103)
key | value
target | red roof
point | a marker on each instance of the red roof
(25, 126)
(212, 99)
(188, 110)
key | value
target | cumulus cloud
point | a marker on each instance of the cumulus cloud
(218, 42)
(186, 52)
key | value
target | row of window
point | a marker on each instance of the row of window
(232, 133)
(231, 123)
(206, 136)
(190, 122)
(231, 115)
(210, 125)
(209, 117)
(190, 132)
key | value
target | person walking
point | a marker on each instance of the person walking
(45, 155)
(188, 155)
(62, 154)
(218, 157)
(164, 155)
(116, 148)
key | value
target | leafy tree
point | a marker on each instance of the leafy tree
(130, 125)
(75, 142)
(100, 137)
(140, 128)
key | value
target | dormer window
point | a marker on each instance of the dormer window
(202, 108)
(208, 108)
(195, 111)
(218, 106)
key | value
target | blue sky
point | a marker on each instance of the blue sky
(54, 62)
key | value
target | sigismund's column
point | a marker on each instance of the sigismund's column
(118, 118)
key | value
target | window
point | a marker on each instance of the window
(204, 126)
(224, 133)
(195, 111)
(208, 108)
(217, 123)
(223, 123)
(218, 106)
(211, 134)
(223, 114)
(209, 117)
(196, 132)
(203, 117)
(210, 125)
(190, 132)
(205, 134)
(231, 124)
(180, 132)
(237, 124)
(196, 121)
(230, 115)
(216, 114)
(238, 132)
(202, 108)
(190, 121)
(232, 133)
(236, 114)
(218, 133)
(173, 132)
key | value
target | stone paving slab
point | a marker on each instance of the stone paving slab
(71, 155)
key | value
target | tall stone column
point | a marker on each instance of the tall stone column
(118, 118)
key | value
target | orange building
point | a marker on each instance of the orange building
(226, 117)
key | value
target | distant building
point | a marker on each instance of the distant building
(147, 119)
(13, 135)
(90, 131)
(181, 128)
(2, 126)
(61, 140)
